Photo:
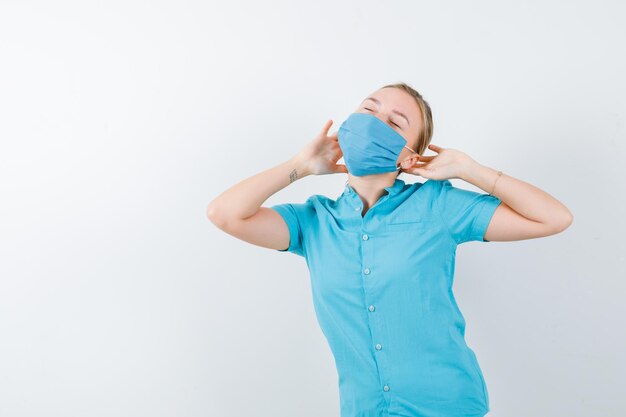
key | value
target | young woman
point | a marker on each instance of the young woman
(381, 255)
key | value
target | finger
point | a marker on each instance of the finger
(340, 168)
(427, 158)
(417, 171)
(411, 159)
(411, 168)
(327, 126)
(435, 148)
(410, 162)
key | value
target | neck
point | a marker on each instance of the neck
(371, 187)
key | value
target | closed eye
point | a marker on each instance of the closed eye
(395, 124)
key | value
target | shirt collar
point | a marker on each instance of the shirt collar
(396, 187)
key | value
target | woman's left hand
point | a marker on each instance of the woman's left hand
(448, 163)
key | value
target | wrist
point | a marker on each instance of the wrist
(298, 168)
(481, 176)
(471, 170)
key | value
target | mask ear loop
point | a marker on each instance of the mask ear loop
(400, 166)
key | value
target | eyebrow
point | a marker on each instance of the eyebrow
(393, 111)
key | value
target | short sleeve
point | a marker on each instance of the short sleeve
(465, 213)
(295, 216)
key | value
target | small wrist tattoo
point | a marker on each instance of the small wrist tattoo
(293, 175)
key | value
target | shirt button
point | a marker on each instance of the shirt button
(365, 237)
(379, 346)
(386, 388)
(357, 208)
(372, 308)
(366, 271)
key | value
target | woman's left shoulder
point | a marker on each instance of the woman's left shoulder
(423, 187)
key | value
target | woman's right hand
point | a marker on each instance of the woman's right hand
(320, 156)
(239, 211)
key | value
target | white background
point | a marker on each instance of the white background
(121, 120)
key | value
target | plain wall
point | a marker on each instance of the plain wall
(121, 120)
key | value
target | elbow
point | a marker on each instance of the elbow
(213, 213)
(210, 211)
(568, 219)
(564, 222)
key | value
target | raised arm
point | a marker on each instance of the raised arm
(525, 211)
(238, 211)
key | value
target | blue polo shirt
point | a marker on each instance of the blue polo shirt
(382, 293)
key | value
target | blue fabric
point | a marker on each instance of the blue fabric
(369, 145)
(382, 292)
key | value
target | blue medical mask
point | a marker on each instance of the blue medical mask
(369, 145)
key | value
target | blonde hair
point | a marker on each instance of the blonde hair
(426, 134)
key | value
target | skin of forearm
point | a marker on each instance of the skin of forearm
(526, 199)
(243, 199)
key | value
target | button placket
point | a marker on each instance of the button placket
(375, 322)
(373, 282)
